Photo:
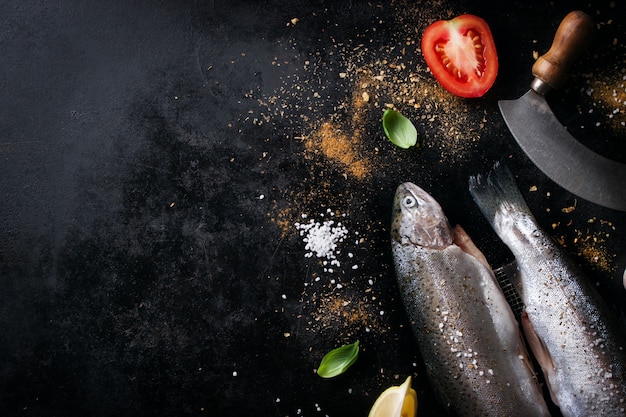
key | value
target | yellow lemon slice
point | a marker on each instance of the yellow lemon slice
(396, 401)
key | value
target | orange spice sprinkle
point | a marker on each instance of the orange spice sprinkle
(337, 146)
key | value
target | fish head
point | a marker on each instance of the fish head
(418, 219)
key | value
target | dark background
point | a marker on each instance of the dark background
(156, 155)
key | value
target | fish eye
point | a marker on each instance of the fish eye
(409, 201)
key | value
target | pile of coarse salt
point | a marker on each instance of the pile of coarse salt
(322, 238)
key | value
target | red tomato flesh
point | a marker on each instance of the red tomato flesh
(461, 54)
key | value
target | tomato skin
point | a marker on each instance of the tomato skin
(464, 65)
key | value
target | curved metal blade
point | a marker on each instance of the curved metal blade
(560, 156)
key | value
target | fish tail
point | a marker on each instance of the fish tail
(497, 193)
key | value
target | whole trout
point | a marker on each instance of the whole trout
(578, 344)
(466, 331)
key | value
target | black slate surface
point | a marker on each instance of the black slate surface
(157, 155)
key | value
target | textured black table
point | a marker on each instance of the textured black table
(156, 158)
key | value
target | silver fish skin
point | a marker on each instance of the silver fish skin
(578, 344)
(466, 332)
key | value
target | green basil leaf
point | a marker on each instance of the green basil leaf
(338, 360)
(400, 131)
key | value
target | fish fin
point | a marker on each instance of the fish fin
(464, 241)
(497, 192)
(541, 354)
(525, 357)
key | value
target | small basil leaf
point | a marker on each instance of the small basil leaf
(338, 360)
(400, 131)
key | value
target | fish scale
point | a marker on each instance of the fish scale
(466, 331)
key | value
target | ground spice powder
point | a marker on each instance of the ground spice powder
(339, 147)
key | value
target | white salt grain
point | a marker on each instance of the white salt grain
(322, 238)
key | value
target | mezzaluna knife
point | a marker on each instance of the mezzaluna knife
(547, 143)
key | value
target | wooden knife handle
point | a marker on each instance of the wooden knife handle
(571, 39)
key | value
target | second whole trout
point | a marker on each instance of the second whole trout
(577, 341)
(466, 332)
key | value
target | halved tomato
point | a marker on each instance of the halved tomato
(461, 54)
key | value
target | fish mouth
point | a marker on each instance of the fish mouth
(422, 221)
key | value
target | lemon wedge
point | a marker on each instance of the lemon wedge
(396, 401)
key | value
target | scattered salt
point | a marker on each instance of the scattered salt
(322, 238)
